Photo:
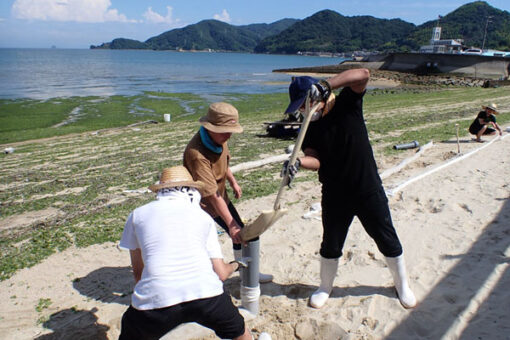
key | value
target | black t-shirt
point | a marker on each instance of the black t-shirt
(476, 126)
(486, 117)
(341, 141)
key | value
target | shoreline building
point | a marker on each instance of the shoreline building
(438, 45)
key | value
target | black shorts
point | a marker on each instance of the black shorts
(474, 129)
(217, 313)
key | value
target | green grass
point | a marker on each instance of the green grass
(85, 176)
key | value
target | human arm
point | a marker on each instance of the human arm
(224, 270)
(238, 192)
(356, 79)
(497, 127)
(129, 241)
(221, 208)
(310, 160)
(136, 263)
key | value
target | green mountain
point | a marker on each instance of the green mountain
(329, 31)
(122, 44)
(468, 22)
(217, 35)
(207, 34)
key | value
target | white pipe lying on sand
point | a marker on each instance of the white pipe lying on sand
(401, 186)
(406, 161)
(259, 162)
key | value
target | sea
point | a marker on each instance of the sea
(50, 73)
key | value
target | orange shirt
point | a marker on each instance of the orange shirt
(208, 167)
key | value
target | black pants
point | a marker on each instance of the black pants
(217, 313)
(237, 218)
(374, 214)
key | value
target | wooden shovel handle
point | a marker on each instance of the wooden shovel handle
(297, 146)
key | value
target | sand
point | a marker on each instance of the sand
(454, 226)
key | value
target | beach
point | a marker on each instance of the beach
(452, 222)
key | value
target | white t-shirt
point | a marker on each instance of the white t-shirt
(177, 240)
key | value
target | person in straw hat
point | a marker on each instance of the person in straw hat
(337, 145)
(483, 122)
(207, 158)
(178, 278)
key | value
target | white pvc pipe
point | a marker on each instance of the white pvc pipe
(259, 162)
(406, 161)
(399, 187)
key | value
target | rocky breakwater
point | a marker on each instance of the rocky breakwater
(404, 78)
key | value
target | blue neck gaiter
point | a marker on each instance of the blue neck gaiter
(208, 142)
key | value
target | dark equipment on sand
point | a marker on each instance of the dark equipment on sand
(412, 145)
(285, 128)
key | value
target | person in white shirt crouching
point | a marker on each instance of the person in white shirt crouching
(177, 265)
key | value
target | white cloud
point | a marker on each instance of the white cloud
(224, 16)
(67, 10)
(156, 18)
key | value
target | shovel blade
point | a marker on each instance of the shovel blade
(261, 224)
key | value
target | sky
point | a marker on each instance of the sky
(81, 23)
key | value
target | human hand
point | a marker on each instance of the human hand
(290, 170)
(238, 192)
(234, 230)
(241, 263)
(320, 91)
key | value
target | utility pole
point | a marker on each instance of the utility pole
(489, 17)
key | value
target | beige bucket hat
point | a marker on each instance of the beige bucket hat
(176, 176)
(493, 107)
(221, 118)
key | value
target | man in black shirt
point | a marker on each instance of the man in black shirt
(337, 145)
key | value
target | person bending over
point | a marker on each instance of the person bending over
(177, 265)
(337, 145)
(485, 123)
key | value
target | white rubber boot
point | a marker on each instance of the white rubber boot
(328, 273)
(263, 278)
(398, 271)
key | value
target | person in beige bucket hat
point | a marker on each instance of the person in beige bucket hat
(207, 158)
(178, 279)
(485, 123)
(222, 118)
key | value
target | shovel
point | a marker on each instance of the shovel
(268, 218)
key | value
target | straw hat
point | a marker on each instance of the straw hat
(176, 176)
(492, 107)
(221, 118)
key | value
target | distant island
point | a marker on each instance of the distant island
(328, 32)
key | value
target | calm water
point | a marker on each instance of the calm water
(47, 73)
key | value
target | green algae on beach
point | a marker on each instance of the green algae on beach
(77, 186)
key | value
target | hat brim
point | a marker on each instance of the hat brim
(200, 186)
(296, 104)
(220, 128)
(492, 108)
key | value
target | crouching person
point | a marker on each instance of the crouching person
(177, 265)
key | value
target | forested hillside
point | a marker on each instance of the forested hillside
(329, 31)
